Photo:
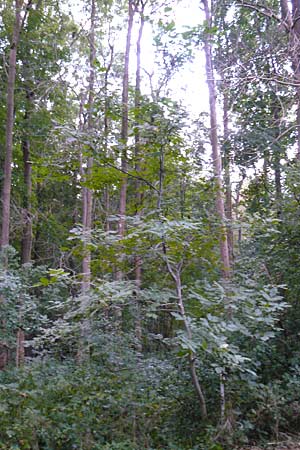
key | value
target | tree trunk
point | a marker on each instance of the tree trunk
(277, 153)
(124, 130)
(20, 351)
(296, 57)
(26, 244)
(107, 206)
(6, 190)
(87, 200)
(176, 275)
(137, 104)
(217, 164)
(87, 196)
(292, 22)
(7, 173)
(277, 171)
(227, 179)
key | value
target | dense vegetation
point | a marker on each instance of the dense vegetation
(149, 296)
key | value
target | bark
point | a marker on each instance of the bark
(26, 244)
(87, 196)
(6, 190)
(227, 178)
(20, 351)
(277, 170)
(285, 14)
(277, 153)
(7, 173)
(216, 157)
(296, 60)
(86, 192)
(161, 178)
(222, 398)
(296, 21)
(124, 129)
(138, 284)
(292, 22)
(237, 203)
(217, 166)
(106, 130)
(137, 105)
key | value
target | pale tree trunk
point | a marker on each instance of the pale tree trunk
(26, 244)
(291, 20)
(217, 167)
(106, 131)
(216, 157)
(277, 164)
(6, 190)
(296, 61)
(227, 178)
(137, 105)
(87, 195)
(124, 130)
(277, 172)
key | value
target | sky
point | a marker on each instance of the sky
(187, 86)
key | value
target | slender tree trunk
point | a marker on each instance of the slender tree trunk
(277, 153)
(124, 129)
(20, 351)
(217, 164)
(176, 275)
(285, 13)
(6, 190)
(26, 244)
(292, 24)
(161, 178)
(106, 131)
(236, 205)
(227, 178)
(277, 171)
(137, 105)
(296, 57)
(87, 194)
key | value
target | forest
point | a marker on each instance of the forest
(150, 224)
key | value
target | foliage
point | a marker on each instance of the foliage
(110, 367)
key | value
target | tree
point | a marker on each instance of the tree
(216, 158)
(291, 21)
(87, 197)
(6, 189)
(124, 123)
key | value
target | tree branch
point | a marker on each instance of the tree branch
(262, 9)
